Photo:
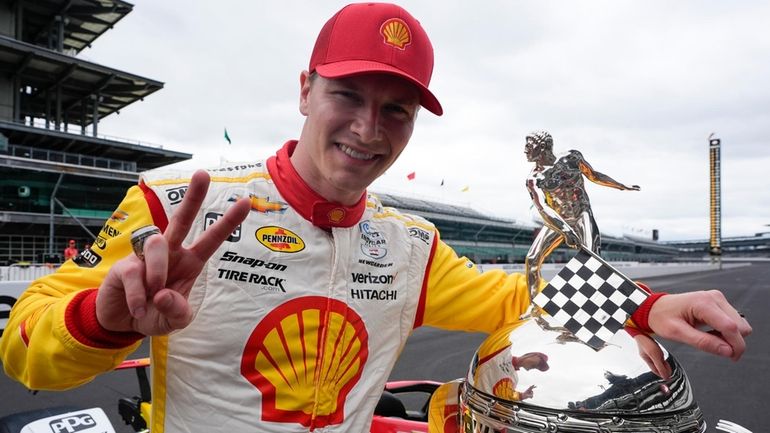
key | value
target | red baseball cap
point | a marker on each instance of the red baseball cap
(376, 37)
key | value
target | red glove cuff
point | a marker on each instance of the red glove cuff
(80, 320)
(642, 314)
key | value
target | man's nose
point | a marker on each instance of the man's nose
(367, 124)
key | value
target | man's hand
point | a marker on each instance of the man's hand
(150, 296)
(679, 317)
(652, 355)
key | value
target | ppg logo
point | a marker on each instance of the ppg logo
(72, 424)
(212, 217)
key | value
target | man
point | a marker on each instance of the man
(71, 250)
(284, 310)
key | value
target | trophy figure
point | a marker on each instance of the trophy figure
(558, 193)
(526, 376)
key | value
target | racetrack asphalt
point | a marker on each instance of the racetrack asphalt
(738, 392)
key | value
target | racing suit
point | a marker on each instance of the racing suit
(298, 317)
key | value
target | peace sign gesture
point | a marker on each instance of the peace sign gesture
(150, 296)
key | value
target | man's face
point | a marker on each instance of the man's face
(355, 128)
(533, 149)
(530, 361)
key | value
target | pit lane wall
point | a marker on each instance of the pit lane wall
(15, 278)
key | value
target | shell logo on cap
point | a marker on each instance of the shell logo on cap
(396, 33)
(304, 357)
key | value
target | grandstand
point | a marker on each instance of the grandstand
(59, 178)
(487, 239)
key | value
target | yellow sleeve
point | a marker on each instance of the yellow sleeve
(37, 347)
(458, 297)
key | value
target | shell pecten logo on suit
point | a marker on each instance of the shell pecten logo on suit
(279, 239)
(304, 357)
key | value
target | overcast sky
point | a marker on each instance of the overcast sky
(636, 86)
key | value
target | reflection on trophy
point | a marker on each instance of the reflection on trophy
(526, 377)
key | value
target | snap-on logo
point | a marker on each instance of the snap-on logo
(279, 239)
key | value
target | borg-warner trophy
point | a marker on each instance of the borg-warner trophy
(540, 375)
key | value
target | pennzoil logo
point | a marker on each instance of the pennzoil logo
(396, 33)
(279, 239)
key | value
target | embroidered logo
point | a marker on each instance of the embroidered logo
(396, 33)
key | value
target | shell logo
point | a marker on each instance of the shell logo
(396, 33)
(279, 239)
(504, 389)
(304, 357)
(336, 215)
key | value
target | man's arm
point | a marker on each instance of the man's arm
(601, 178)
(51, 340)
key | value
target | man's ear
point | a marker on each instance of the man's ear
(304, 91)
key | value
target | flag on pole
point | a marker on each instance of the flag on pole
(227, 137)
(411, 175)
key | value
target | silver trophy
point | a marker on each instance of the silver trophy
(531, 376)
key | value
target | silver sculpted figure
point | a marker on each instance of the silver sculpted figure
(558, 193)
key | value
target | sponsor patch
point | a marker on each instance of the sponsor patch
(279, 239)
(118, 216)
(100, 242)
(238, 167)
(420, 234)
(370, 278)
(373, 244)
(110, 231)
(251, 262)
(374, 294)
(212, 217)
(175, 195)
(262, 204)
(267, 282)
(87, 259)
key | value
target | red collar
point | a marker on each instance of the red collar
(308, 203)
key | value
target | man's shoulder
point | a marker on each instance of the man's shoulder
(396, 215)
(228, 172)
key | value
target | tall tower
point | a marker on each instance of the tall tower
(60, 178)
(715, 194)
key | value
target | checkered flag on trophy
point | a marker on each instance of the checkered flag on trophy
(590, 298)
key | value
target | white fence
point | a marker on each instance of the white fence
(25, 272)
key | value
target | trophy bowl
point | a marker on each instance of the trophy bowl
(533, 377)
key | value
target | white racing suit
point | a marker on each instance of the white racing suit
(298, 317)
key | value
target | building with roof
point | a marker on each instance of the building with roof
(59, 178)
(487, 239)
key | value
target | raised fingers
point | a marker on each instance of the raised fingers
(185, 214)
(218, 232)
(156, 263)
